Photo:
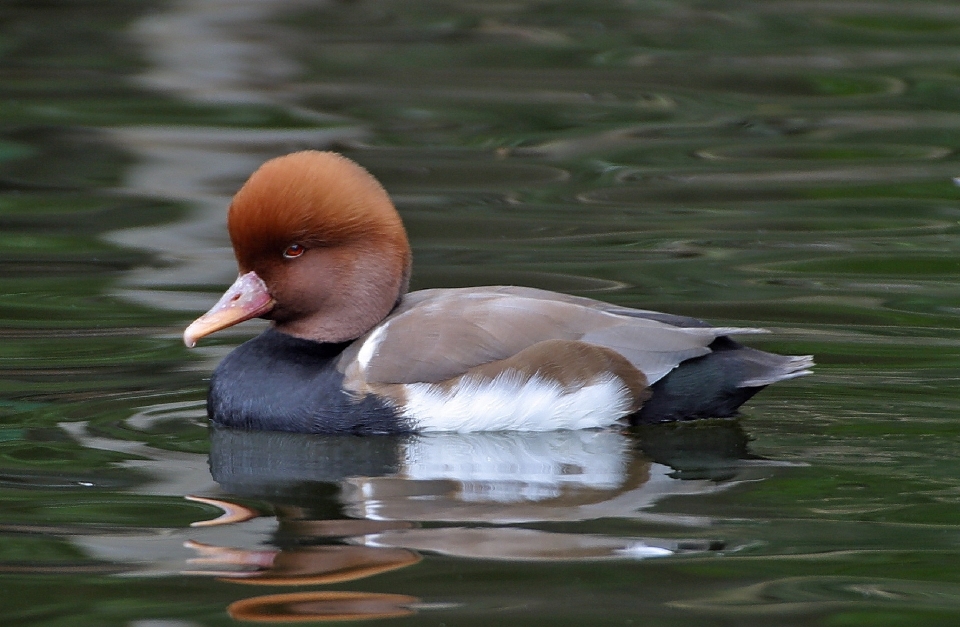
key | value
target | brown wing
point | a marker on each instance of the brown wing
(599, 305)
(436, 335)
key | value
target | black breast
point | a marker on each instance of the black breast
(276, 382)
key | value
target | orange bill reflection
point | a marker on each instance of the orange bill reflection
(321, 606)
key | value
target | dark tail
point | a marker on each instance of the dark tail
(715, 385)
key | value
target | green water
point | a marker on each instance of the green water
(779, 164)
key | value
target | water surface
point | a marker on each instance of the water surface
(781, 164)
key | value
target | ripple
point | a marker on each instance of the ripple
(176, 426)
(644, 195)
(818, 85)
(542, 86)
(472, 175)
(322, 606)
(897, 24)
(554, 281)
(809, 594)
(841, 219)
(920, 266)
(760, 181)
(823, 152)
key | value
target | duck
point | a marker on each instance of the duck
(323, 255)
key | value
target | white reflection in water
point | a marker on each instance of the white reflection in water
(502, 479)
(506, 467)
(521, 477)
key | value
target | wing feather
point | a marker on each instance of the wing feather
(436, 335)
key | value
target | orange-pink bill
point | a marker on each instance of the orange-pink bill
(246, 298)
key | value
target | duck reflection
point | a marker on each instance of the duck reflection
(352, 507)
(322, 606)
(493, 479)
(346, 508)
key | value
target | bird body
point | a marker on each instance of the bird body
(322, 253)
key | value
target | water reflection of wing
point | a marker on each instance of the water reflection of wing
(515, 544)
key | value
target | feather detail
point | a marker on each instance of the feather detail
(511, 402)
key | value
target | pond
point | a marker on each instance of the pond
(786, 165)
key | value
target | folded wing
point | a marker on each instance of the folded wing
(437, 335)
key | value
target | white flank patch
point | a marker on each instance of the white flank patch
(369, 348)
(511, 402)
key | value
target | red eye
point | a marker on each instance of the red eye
(294, 250)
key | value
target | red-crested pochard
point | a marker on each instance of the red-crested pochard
(323, 254)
